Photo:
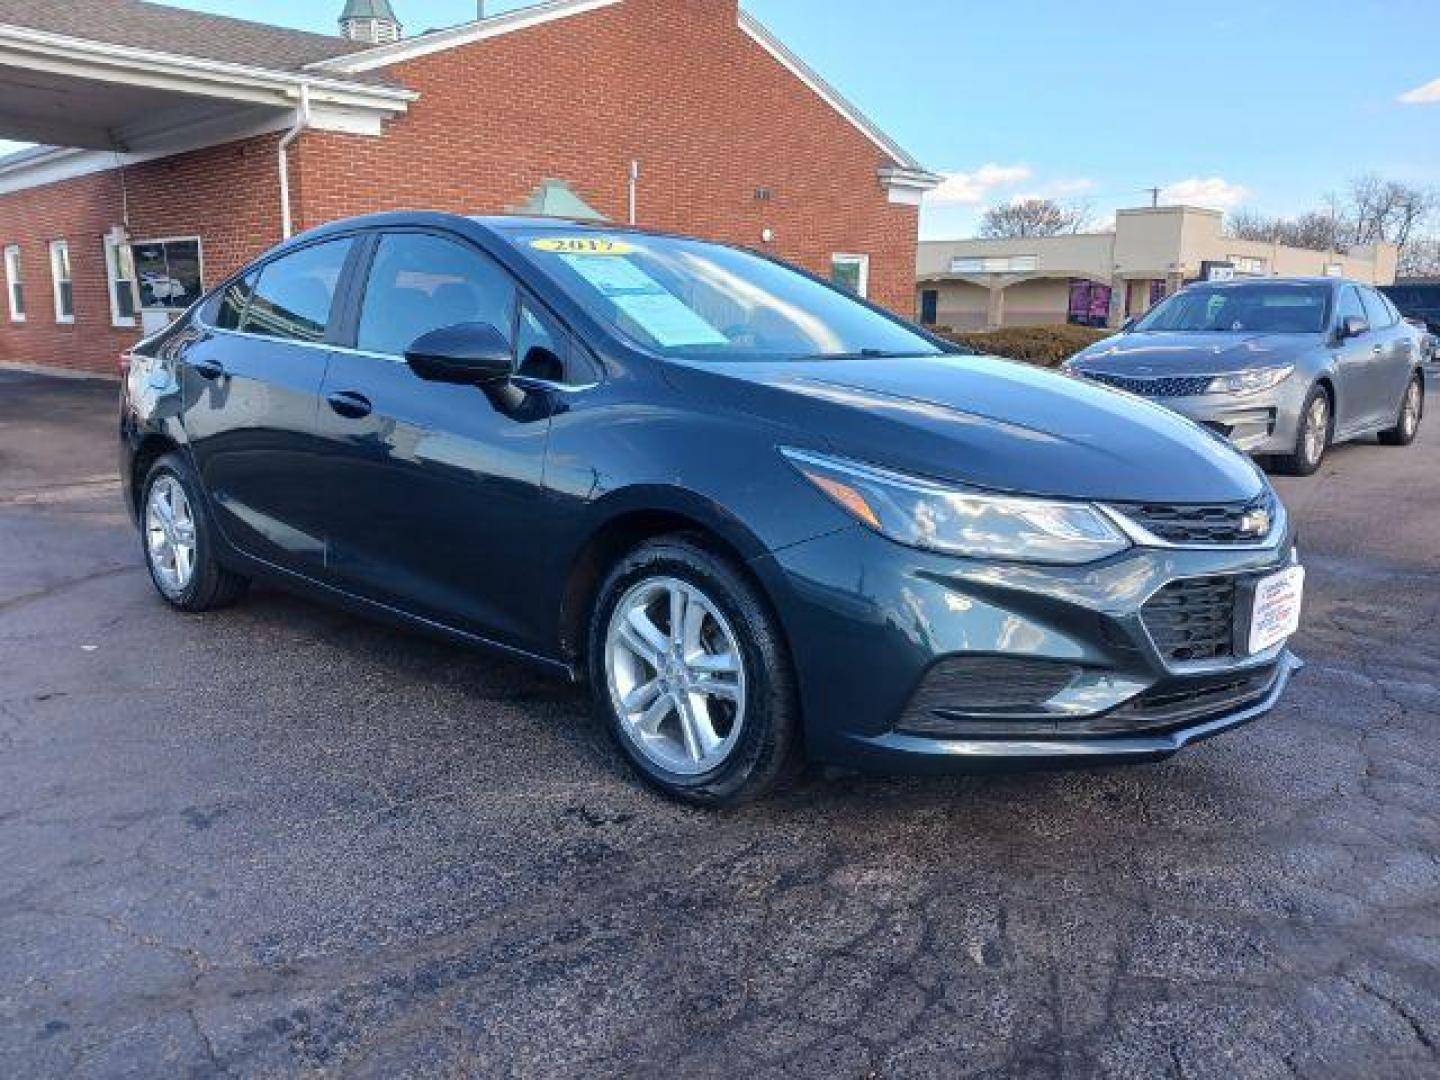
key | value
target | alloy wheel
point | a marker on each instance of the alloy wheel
(1317, 428)
(170, 534)
(676, 676)
(1410, 409)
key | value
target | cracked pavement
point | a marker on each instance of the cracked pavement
(281, 840)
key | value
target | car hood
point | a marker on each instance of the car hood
(984, 422)
(1191, 354)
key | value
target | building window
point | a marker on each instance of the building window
(14, 283)
(994, 264)
(64, 286)
(171, 273)
(120, 272)
(851, 272)
(1089, 303)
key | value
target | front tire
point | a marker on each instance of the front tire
(691, 675)
(1412, 409)
(178, 542)
(1312, 435)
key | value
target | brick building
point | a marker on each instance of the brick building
(180, 145)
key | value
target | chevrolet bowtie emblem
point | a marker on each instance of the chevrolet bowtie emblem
(1255, 523)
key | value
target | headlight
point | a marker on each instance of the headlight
(1249, 382)
(957, 521)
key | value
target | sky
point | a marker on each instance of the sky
(1267, 104)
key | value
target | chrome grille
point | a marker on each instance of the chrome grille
(1202, 523)
(1164, 386)
(1193, 619)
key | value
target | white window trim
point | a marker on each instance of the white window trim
(13, 277)
(862, 261)
(112, 278)
(59, 256)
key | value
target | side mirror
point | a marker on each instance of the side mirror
(1353, 326)
(1128, 325)
(468, 353)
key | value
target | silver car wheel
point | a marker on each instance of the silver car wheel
(170, 535)
(676, 676)
(1317, 428)
(1410, 409)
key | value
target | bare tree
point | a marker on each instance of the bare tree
(1248, 224)
(1033, 217)
(1420, 258)
(1373, 210)
(1388, 211)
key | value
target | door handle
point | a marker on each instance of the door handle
(350, 405)
(207, 369)
(1377, 349)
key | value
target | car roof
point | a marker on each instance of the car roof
(1280, 281)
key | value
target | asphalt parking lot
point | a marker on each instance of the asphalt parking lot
(282, 840)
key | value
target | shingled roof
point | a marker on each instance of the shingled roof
(140, 25)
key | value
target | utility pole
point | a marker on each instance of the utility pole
(1154, 197)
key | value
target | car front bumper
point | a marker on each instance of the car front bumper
(1259, 424)
(912, 662)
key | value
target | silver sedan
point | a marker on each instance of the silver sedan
(1282, 367)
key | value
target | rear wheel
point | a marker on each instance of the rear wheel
(178, 542)
(1312, 435)
(690, 673)
(1412, 409)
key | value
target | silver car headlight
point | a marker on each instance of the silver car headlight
(959, 521)
(1250, 382)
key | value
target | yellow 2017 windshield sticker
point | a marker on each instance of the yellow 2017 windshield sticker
(583, 245)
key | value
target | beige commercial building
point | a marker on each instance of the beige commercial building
(1104, 278)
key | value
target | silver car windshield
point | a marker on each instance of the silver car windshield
(1263, 308)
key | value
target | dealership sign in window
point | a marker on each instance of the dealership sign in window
(170, 272)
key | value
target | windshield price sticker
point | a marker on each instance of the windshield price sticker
(583, 245)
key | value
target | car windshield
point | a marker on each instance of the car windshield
(1268, 308)
(687, 299)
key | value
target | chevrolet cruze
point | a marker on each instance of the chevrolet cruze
(764, 519)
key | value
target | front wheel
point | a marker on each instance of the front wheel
(1412, 408)
(690, 673)
(1312, 436)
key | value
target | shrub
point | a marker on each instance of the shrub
(1045, 346)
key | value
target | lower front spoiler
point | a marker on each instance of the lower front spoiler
(896, 752)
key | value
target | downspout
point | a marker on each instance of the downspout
(302, 121)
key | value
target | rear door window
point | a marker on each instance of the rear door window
(234, 298)
(295, 294)
(420, 282)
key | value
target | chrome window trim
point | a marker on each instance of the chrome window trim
(526, 381)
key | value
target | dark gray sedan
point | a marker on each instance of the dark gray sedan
(1282, 367)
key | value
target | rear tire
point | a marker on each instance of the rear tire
(177, 539)
(1312, 435)
(1412, 411)
(700, 698)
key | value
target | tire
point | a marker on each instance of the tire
(199, 582)
(1412, 411)
(1310, 448)
(733, 744)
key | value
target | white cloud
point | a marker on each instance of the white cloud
(972, 188)
(1212, 191)
(1429, 94)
